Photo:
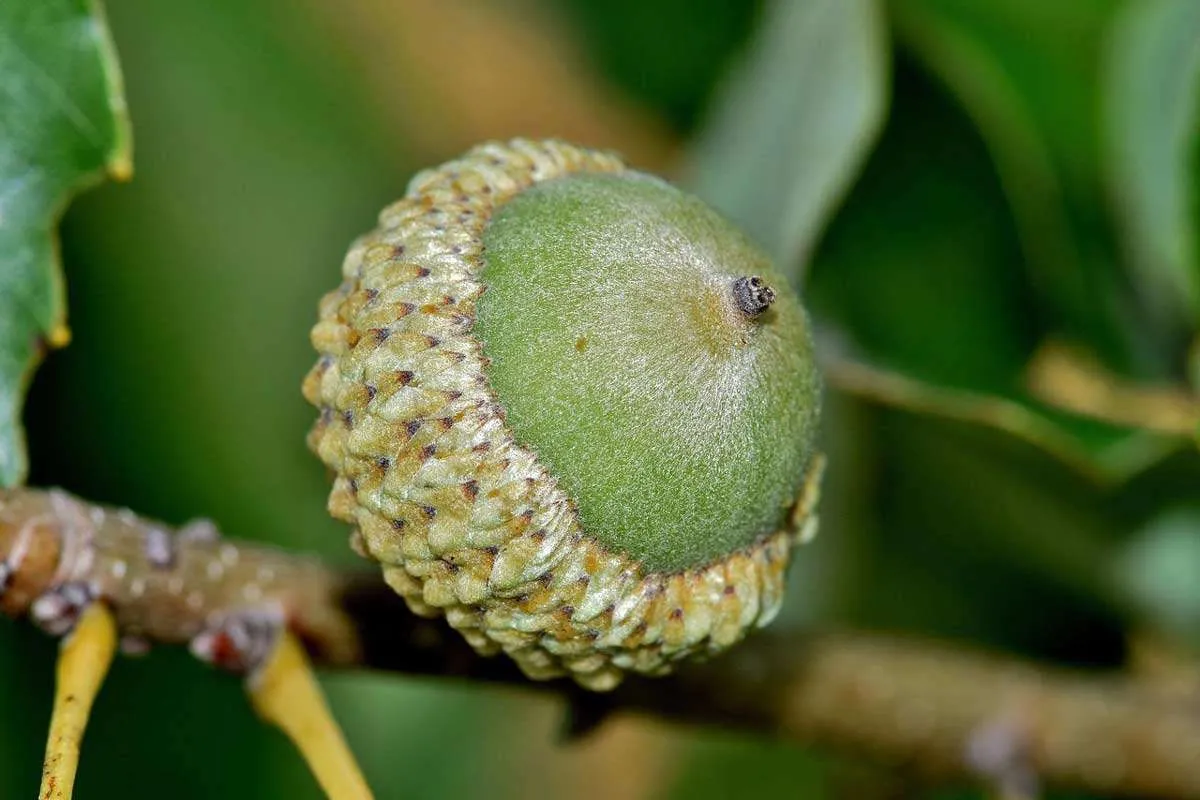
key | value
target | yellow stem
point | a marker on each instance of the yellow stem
(1075, 381)
(82, 665)
(285, 692)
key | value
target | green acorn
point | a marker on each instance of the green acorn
(571, 408)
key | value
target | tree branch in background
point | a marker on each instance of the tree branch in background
(942, 713)
(1075, 381)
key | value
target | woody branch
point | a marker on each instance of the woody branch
(939, 712)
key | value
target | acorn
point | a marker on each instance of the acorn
(572, 409)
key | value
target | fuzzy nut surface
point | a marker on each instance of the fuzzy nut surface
(680, 425)
(430, 438)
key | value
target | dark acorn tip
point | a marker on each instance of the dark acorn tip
(753, 296)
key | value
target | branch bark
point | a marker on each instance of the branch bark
(943, 713)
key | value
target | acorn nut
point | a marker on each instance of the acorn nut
(570, 408)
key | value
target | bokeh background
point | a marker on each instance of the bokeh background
(988, 203)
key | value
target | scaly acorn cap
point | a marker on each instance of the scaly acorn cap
(572, 409)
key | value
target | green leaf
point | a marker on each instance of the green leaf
(1028, 75)
(1159, 570)
(624, 39)
(721, 764)
(62, 124)
(961, 340)
(975, 534)
(795, 122)
(917, 269)
(1152, 120)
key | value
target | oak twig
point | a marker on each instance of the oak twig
(941, 713)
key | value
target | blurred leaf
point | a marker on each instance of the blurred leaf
(970, 532)
(917, 268)
(1152, 126)
(790, 131)
(1027, 73)
(411, 739)
(979, 512)
(673, 75)
(978, 535)
(1158, 569)
(26, 712)
(62, 123)
(722, 766)
(917, 284)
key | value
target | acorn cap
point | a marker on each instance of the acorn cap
(572, 409)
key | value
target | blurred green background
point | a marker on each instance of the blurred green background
(990, 205)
